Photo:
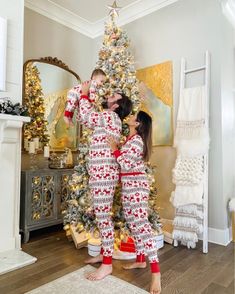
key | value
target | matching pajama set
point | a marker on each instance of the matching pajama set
(74, 96)
(135, 193)
(103, 168)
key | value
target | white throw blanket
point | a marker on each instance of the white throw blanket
(188, 171)
(192, 142)
(191, 134)
(184, 195)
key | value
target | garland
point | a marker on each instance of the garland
(7, 107)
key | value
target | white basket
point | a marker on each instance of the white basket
(159, 240)
(94, 246)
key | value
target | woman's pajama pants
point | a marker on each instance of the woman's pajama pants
(135, 194)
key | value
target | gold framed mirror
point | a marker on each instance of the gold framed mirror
(46, 82)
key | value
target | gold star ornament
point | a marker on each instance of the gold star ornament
(114, 8)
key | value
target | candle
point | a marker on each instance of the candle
(36, 141)
(31, 147)
(46, 151)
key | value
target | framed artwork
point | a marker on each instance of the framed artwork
(3, 50)
(156, 89)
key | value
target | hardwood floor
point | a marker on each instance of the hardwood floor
(183, 271)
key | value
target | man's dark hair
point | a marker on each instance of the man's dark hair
(125, 106)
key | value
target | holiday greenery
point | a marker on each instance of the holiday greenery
(33, 99)
(7, 107)
(117, 62)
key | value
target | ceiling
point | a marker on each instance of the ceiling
(91, 10)
(88, 16)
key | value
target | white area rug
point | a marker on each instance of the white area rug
(76, 283)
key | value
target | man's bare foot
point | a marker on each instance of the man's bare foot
(134, 265)
(155, 287)
(103, 271)
(96, 259)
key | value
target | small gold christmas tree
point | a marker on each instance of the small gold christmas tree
(33, 97)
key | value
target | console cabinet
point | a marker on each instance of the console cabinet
(44, 193)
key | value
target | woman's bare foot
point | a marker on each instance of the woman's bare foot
(95, 259)
(134, 265)
(155, 287)
(103, 271)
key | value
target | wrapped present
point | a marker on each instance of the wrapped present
(80, 239)
(128, 245)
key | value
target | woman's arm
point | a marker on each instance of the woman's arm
(128, 157)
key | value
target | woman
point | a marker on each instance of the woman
(135, 192)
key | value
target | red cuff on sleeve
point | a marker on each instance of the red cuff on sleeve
(85, 97)
(117, 153)
(68, 114)
(155, 267)
(107, 260)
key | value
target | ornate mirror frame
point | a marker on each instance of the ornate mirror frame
(51, 61)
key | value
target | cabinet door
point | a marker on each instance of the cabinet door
(41, 197)
(64, 177)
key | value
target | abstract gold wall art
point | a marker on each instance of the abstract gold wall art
(156, 86)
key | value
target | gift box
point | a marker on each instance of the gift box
(128, 246)
(80, 239)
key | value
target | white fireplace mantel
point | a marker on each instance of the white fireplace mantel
(11, 256)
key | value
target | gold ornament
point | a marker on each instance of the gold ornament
(66, 227)
(79, 227)
(82, 201)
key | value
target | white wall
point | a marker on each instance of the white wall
(45, 37)
(10, 155)
(13, 10)
(227, 109)
(187, 29)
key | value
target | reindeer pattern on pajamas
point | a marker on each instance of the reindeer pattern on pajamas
(73, 98)
(135, 194)
(102, 167)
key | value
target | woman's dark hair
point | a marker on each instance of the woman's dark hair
(125, 106)
(97, 71)
(144, 129)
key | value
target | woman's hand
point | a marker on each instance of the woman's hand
(112, 143)
(68, 122)
(85, 87)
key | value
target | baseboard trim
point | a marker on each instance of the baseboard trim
(216, 236)
(220, 237)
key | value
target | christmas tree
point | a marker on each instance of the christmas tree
(117, 62)
(37, 127)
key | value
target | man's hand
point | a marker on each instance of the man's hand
(85, 87)
(114, 98)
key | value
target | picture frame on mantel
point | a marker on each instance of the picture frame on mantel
(3, 51)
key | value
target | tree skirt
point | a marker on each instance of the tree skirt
(76, 283)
